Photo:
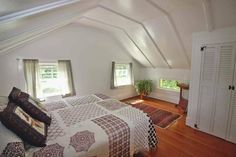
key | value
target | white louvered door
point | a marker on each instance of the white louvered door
(225, 72)
(217, 101)
(231, 134)
(207, 87)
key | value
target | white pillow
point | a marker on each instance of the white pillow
(3, 102)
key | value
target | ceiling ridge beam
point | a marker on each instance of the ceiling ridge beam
(124, 31)
(206, 4)
(172, 24)
(35, 10)
(144, 27)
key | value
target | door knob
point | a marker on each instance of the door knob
(230, 87)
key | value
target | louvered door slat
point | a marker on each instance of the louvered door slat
(232, 114)
(222, 93)
(209, 64)
(207, 81)
(226, 65)
(232, 120)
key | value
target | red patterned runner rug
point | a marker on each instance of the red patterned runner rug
(161, 118)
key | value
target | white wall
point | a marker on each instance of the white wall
(200, 39)
(90, 50)
(158, 73)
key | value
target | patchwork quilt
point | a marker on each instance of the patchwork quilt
(95, 126)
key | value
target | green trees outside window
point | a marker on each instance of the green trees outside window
(169, 84)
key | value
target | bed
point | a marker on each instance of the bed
(95, 126)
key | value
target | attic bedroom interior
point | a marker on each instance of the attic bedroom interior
(117, 78)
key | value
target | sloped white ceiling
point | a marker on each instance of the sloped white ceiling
(157, 33)
(121, 36)
(223, 13)
(26, 25)
(135, 30)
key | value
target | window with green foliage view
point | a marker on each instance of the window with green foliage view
(49, 80)
(168, 84)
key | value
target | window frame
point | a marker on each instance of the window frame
(129, 71)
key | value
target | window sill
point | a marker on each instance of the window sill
(123, 86)
(170, 90)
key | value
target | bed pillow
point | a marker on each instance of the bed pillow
(30, 105)
(35, 109)
(30, 130)
(16, 94)
(11, 144)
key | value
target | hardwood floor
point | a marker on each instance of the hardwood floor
(180, 140)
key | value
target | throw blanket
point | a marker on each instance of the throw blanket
(95, 126)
